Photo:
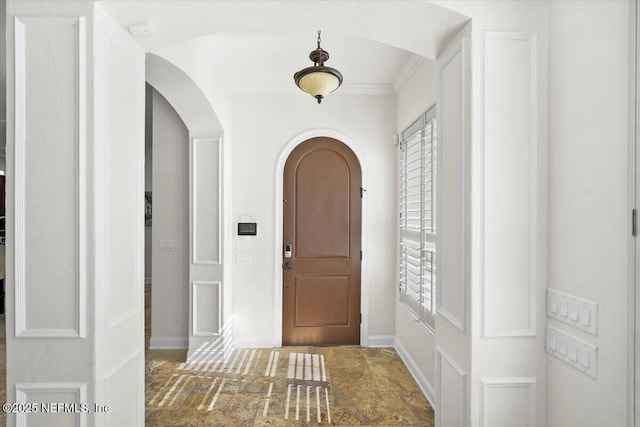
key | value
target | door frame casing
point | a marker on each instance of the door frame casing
(633, 365)
(278, 241)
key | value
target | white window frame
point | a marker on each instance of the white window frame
(418, 226)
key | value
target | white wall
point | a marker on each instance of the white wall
(170, 269)
(414, 341)
(497, 362)
(119, 232)
(588, 228)
(148, 176)
(57, 295)
(264, 124)
(3, 83)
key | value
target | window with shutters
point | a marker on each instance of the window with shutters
(418, 225)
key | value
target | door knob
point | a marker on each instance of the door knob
(287, 265)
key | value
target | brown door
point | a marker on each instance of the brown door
(322, 218)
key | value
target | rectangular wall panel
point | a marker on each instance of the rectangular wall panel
(50, 177)
(56, 404)
(451, 392)
(205, 208)
(508, 402)
(509, 299)
(123, 153)
(124, 396)
(207, 308)
(452, 164)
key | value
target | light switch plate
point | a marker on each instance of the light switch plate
(168, 245)
(243, 259)
(579, 354)
(243, 245)
(573, 311)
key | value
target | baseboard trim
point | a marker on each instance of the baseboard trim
(380, 341)
(168, 343)
(195, 357)
(248, 342)
(416, 373)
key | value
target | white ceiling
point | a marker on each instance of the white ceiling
(260, 44)
(260, 61)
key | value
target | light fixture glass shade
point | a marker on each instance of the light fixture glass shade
(317, 82)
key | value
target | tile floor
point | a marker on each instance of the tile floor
(289, 386)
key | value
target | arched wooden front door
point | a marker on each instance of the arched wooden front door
(321, 227)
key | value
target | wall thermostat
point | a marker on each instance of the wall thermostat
(247, 229)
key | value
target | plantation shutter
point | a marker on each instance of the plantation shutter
(418, 217)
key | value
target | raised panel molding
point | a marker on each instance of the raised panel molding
(109, 41)
(503, 225)
(199, 238)
(495, 411)
(444, 361)
(452, 304)
(25, 390)
(126, 400)
(168, 343)
(22, 26)
(415, 371)
(198, 304)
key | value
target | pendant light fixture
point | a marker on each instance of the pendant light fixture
(318, 80)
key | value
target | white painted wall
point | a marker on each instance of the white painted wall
(75, 251)
(170, 269)
(3, 82)
(264, 124)
(52, 317)
(148, 176)
(499, 362)
(588, 228)
(118, 207)
(587, 194)
(414, 341)
(206, 71)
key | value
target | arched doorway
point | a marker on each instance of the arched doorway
(322, 208)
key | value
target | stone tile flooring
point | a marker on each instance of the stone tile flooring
(290, 386)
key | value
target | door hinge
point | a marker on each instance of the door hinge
(362, 190)
(634, 222)
(361, 318)
(360, 255)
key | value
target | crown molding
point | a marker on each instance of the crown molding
(345, 89)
